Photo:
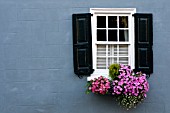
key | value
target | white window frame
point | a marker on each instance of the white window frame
(117, 12)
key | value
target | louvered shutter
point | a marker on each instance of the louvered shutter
(82, 44)
(143, 43)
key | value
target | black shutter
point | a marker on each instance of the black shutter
(82, 44)
(143, 43)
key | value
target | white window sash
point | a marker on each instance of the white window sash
(112, 12)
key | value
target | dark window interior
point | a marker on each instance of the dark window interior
(101, 35)
(101, 21)
(123, 22)
(123, 35)
(112, 35)
(112, 21)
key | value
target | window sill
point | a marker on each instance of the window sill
(95, 75)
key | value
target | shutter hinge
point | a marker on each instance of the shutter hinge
(148, 76)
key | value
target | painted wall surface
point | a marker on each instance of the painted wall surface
(36, 58)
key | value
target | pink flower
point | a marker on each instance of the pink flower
(100, 85)
(145, 95)
(120, 83)
(117, 92)
(129, 84)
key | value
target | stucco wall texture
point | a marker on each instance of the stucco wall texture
(36, 58)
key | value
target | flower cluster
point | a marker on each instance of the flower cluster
(127, 87)
(99, 85)
(129, 84)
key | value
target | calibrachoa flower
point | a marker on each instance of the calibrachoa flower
(128, 88)
(99, 85)
(129, 84)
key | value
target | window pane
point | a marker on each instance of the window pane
(101, 50)
(123, 35)
(101, 35)
(112, 61)
(123, 22)
(101, 63)
(101, 21)
(123, 60)
(112, 21)
(112, 50)
(123, 50)
(112, 35)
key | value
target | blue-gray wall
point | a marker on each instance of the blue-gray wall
(36, 60)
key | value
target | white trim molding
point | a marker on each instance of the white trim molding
(130, 43)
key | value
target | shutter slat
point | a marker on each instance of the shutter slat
(143, 43)
(82, 44)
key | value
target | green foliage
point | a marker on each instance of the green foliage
(114, 71)
(88, 85)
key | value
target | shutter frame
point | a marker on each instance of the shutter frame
(143, 42)
(82, 44)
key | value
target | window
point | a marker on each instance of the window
(112, 38)
(112, 35)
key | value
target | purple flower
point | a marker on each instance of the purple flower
(129, 84)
